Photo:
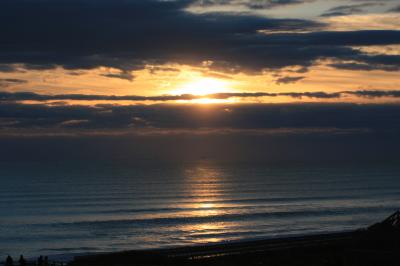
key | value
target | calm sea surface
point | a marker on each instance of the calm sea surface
(73, 208)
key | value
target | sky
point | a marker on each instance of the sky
(289, 79)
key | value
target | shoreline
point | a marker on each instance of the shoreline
(218, 253)
(365, 246)
(68, 257)
(378, 244)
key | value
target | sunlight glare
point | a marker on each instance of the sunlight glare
(204, 86)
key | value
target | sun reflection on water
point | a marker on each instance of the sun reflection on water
(205, 184)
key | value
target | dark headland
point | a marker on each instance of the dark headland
(377, 245)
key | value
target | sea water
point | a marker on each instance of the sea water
(65, 208)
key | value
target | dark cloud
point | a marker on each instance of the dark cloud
(9, 82)
(7, 68)
(30, 96)
(84, 34)
(123, 34)
(21, 96)
(317, 95)
(286, 80)
(365, 66)
(253, 4)
(123, 75)
(374, 93)
(113, 118)
(226, 132)
(396, 9)
(156, 69)
(344, 10)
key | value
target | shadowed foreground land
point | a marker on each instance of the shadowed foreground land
(376, 245)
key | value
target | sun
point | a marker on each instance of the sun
(203, 86)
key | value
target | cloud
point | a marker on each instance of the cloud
(130, 35)
(344, 10)
(30, 96)
(7, 68)
(229, 132)
(68, 123)
(365, 66)
(10, 82)
(252, 4)
(156, 117)
(126, 75)
(356, 22)
(374, 93)
(286, 80)
(395, 9)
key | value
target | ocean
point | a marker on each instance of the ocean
(69, 208)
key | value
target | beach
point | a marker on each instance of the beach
(376, 245)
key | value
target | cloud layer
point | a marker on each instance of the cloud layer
(30, 96)
(84, 34)
(214, 118)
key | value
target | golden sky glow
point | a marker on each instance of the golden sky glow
(203, 86)
(202, 81)
(206, 76)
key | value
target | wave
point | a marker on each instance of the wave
(232, 217)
